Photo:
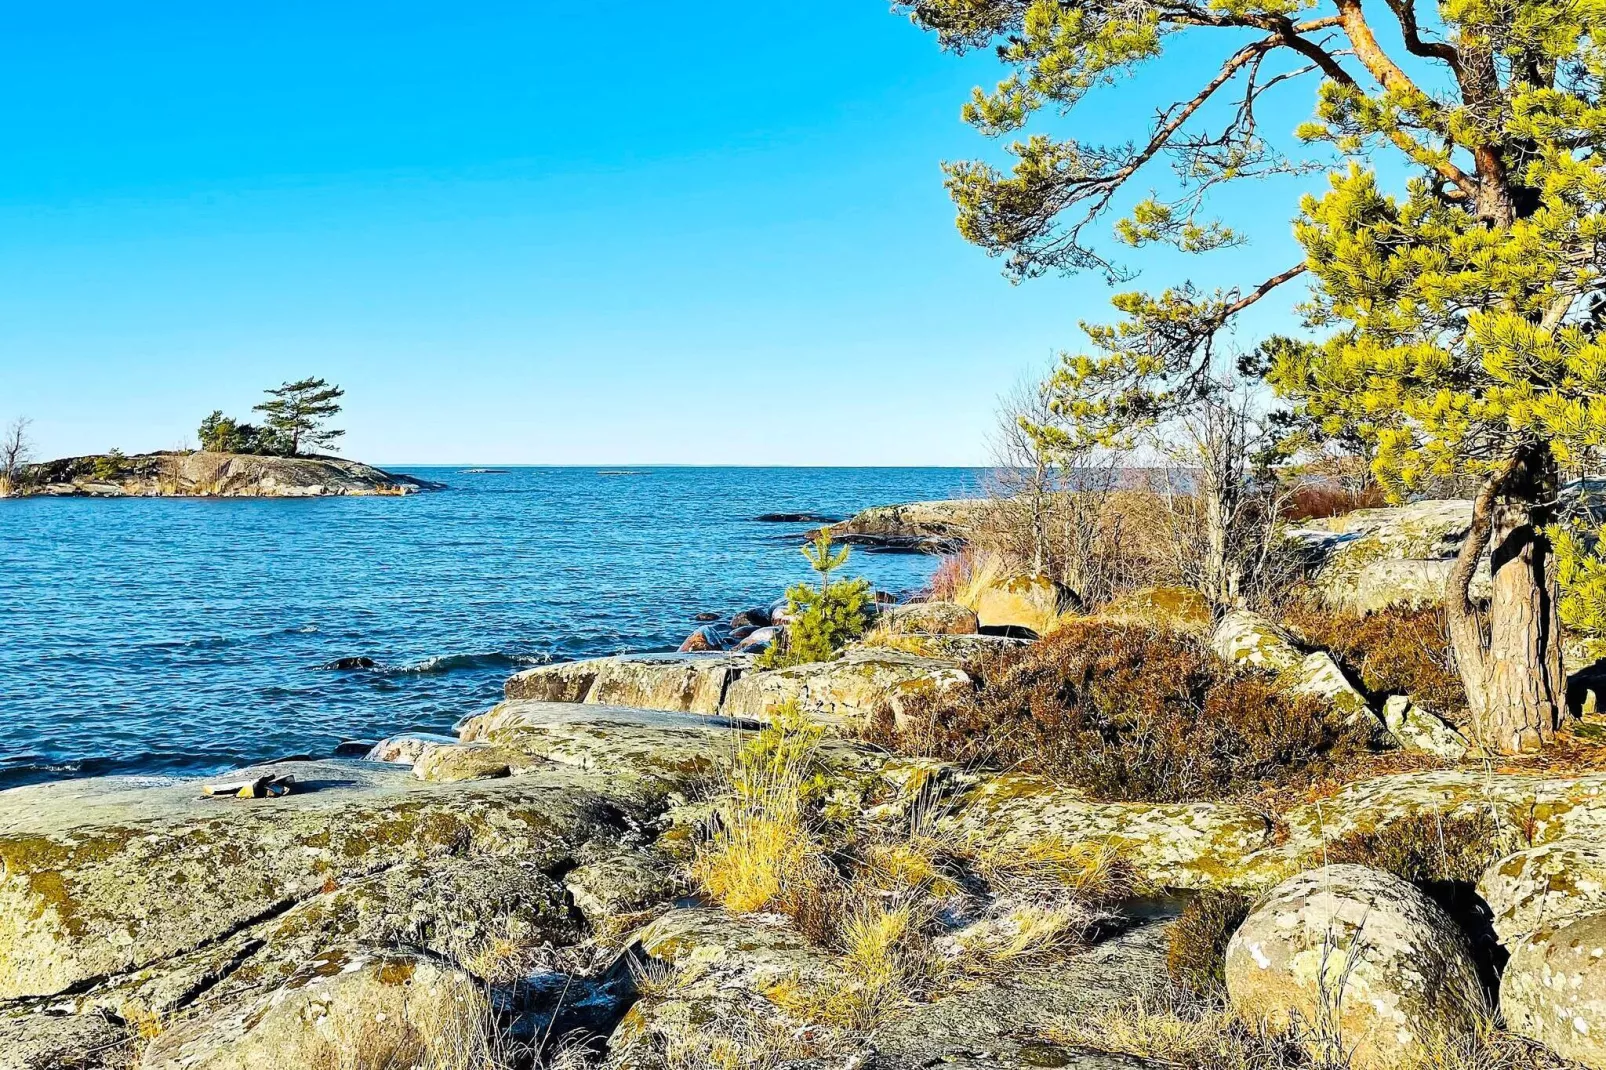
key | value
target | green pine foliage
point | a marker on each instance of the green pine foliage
(824, 618)
(297, 414)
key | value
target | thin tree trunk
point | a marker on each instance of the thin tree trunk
(1516, 687)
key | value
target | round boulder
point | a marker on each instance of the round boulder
(935, 618)
(751, 618)
(1554, 989)
(1545, 885)
(1361, 951)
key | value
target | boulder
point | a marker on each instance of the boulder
(568, 681)
(447, 763)
(1371, 559)
(1319, 675)
(1553, 989)
(655, 750)
(1172, 845)
(345, 1007)
(846, 691)
(405, 748)
(1032, 603)
(687, 683)
(955, 648)
(1545, 885)
(613, 883)
(32, 1039)
(679, 682)
(758, 640)
(1176, 609)
(1360, 951)
(1251, 640)
(752, 618)
(933, 618)
(1420, 732)
(708, 637)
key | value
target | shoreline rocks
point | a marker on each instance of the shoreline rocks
(219, 475)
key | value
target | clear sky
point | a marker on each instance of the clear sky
(519, 232)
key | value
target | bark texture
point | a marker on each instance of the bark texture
(1511, 663)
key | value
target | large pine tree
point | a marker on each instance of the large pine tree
(1459, 315)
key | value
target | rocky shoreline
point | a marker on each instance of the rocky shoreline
(527, 878)
(202, 474)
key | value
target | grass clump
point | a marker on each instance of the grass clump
(1196, 952)
(764, 853)
(1124, 712)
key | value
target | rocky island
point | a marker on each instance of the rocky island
(209, 474)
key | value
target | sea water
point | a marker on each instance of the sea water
(189, 635)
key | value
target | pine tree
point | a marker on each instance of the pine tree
(298, 411)
(823, 619)
(1462, 312)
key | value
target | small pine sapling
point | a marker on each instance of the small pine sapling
(823, 619)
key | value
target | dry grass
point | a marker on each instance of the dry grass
(1192, 1034)
(764, 853)
(874, 893)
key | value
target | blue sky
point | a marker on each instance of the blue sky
(538, 233)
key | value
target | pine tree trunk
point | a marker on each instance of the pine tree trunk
(1516, 688)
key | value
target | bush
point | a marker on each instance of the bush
(110, 466)
(1196, 952)
(1124, 713)
(1391, 652)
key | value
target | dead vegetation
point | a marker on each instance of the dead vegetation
(1124, 712)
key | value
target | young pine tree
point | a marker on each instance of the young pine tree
(824, 619)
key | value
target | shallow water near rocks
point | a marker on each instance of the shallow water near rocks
(190, 635)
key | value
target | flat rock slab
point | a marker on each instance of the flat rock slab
(103, 877)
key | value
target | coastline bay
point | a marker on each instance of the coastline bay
(154, 636)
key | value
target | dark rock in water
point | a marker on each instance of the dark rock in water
(796, 518)
(706, 618)
(708, 637)
(752, 618)
(738, 634)
(352, 663)
(354, 748)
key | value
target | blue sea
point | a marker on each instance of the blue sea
(190, 635)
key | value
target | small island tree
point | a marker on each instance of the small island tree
(1463, 314)
(297, 412)
(16, 453)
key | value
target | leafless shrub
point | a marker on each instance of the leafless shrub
(16, 453)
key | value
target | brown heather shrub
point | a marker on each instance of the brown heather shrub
(1124, 712)
(1196, 952)
(1317, 500)
(1392, 651)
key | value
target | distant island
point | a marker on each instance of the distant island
(207, 474)
(236, 459)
